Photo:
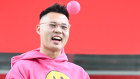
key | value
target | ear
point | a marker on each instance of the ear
(38, 29)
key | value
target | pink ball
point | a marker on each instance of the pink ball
(73, 7)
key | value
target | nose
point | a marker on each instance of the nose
(58, 30)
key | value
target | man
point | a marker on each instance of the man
(49, 61)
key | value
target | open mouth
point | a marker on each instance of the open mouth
(57, 38)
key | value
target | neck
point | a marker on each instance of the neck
(51, 53)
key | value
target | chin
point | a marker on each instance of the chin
(56, 48)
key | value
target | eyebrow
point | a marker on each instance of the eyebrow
(56, 22)
(53, 22)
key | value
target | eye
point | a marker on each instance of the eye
(52, 25)
(64, 27)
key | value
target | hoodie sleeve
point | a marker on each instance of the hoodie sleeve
(86, 76)
(18, 71)
(14, 73)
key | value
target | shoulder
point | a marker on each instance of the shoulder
(24, 64)
(75, 66)
(21, 65)
(18, 71)
(78, 71)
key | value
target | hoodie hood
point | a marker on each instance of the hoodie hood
(35, 54)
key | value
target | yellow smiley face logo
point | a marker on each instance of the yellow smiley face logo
(56, 75)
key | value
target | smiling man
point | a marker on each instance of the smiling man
(49, 61)
(54, 33)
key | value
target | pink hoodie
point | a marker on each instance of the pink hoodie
(36, 65)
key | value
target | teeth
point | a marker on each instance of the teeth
(56, 38)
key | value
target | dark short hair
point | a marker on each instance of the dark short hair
(55, 8)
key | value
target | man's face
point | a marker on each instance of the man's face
(53, 31)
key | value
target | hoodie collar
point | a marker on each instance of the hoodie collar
(35, 54)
